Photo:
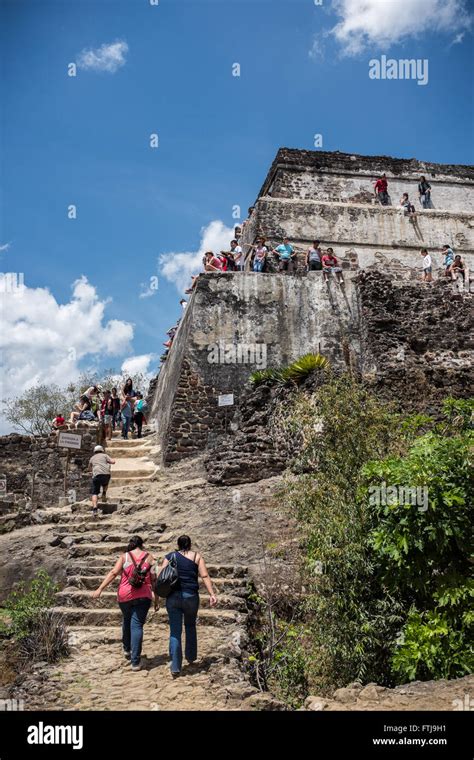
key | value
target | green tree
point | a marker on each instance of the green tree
(33, 411)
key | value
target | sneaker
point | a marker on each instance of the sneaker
(95, 513)
(137, 667)
(104, 498)
(175, 673)
(126, 654)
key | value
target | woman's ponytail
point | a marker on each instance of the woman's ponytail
(135, 543)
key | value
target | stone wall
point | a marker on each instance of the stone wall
(236, 324)
(310, 195)
(420, 339)
(418, 347)
(364, 231)
(26, 460)
(349, 178)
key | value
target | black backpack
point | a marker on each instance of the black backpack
(168, 579)
(138, 575)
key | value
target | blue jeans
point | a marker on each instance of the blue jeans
(125, 425)
(134, 616)
(258, 265)
(179, 604)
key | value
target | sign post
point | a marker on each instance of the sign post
(69, 441)
(225, 400)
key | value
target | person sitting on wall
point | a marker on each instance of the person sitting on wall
(213, 263)
(313, 258)
(82, 411)
(330, 264)
(448, 261)
(259, 255)
(458, 267)
(210, 263)
(59, 423)
(286, 256)
(381, 190)
(407, 205)
(424, 191)
(427, 266)
(228, 262)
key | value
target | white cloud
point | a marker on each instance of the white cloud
(44, 341)
(317, 48)
(108, 57)
(365, 23)
(178, 267)
(138, 364)
(5, 247)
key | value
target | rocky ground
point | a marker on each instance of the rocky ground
(418, 695)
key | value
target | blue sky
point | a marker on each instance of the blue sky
(84, 140)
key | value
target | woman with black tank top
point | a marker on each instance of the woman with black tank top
(184, 602)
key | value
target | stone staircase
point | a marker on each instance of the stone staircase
(133, 464)
(94, 625)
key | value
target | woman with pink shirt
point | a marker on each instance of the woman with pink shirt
(134, 596)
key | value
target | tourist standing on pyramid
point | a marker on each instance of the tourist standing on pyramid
(381, 190)
(427, 266)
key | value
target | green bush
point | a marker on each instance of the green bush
(39, 632)
(424, 550)
(432, 647)
(388, 592)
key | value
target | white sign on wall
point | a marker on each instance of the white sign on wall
(70, 440)
(227, 399)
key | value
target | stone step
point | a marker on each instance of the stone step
(97, 550)
(132, 452)
(101, 565)
(108, 600)
(235, 586)
(135, 472)
(67, 529)
(79, 635)
(117, 442)
(107, 508)
(76, 616)
(128, 480)
(103, 537)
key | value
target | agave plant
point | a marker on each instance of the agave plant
(304, 366)
(295, 372)
(264, 376)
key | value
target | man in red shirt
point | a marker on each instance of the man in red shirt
(381, 190)
(330, 264)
